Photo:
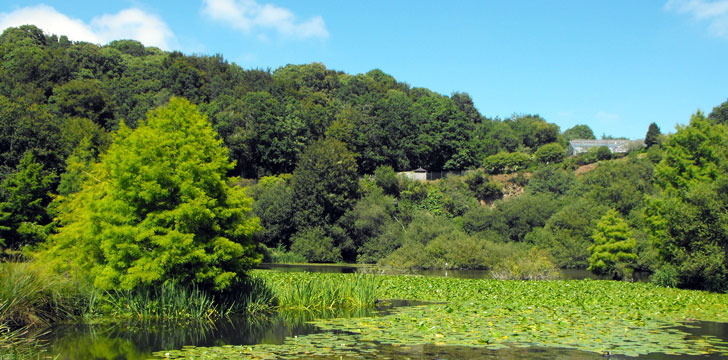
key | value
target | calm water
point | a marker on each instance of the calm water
(121, 342)
(132, 341)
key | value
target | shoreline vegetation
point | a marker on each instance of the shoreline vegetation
(139, 185)
(620, 317)
(594, 316)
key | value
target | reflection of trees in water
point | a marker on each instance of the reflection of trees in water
(134, 340)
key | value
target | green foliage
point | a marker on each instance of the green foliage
(25, 195)
(536, 264)
(551, 180)
(32, 296)
(505, 163)
(603, 153)
(626, 319)
(386, 179)
(566, 236)
(621, 185)
(653, 136)
(686, 219)
(319, 291)
(579, 132)
(613, 251)
(158, 208)
(550, 153)
(719, 114)
(512, 218)
(483, 187)
(274, 207)
(371, 218)
(280, 255)
(315, 245)
(324, 184)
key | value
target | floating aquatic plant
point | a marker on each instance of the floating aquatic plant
(595, 316)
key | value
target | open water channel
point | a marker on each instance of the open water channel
(133, 341)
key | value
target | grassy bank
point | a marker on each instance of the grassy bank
(594, 316)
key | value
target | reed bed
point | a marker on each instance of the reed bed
(169, 301)
(33, 297)
(319, 291)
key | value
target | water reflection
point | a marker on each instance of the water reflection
(565, 274)
(139, 341)
(119, 341)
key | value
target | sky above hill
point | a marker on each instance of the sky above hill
(614, 65)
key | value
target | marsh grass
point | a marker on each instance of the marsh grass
(33, 297)
(320, 291)
(169, 301)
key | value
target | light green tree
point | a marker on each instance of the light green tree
(158, 207)
(613, 251)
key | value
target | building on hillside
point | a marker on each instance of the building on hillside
(422, 174)
(417, 174)
(580, 146)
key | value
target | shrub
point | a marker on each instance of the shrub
(504, 162)
(603, 153)
(386, 179)
(535, 265)
(315, 246)
(550, 153)
(280, 255)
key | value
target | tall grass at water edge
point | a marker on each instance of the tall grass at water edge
(180, 303)
(31, 296)
(319, 291)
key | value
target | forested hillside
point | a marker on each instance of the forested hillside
(319, 149)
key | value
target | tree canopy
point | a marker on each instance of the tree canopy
(158, 207)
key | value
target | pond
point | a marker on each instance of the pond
(565, 274)
(122, 342)
(293, 335)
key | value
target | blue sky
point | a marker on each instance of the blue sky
(614, 65)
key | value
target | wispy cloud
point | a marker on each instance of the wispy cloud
(715, 13)
(253, 18)
(607, 117)
(131, 23)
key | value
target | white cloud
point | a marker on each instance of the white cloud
(134, 24)
(127, 24)
(713, 12)
(252, 17)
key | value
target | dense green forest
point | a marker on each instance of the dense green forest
(144, 165)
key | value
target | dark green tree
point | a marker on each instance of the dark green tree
(25, 194)
(603, 153)
(719, 114)
(579, 132)
(324, 183)
(315, 245)
(653, 135)
(386, 178)
(274, 206)
(686, 218)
